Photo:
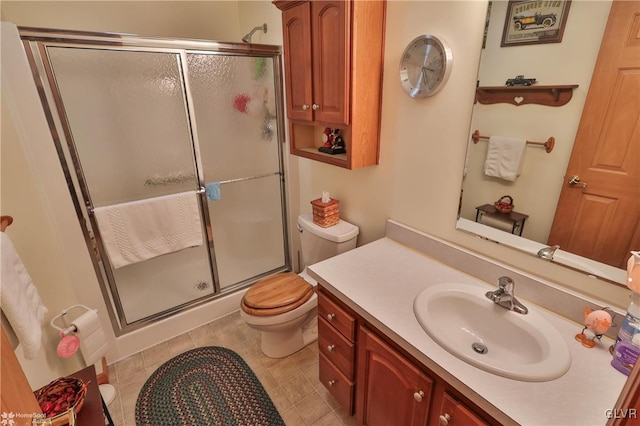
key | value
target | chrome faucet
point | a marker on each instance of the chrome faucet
(547, 252)
(504, 296)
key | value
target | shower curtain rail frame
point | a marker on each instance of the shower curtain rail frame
(36, 40)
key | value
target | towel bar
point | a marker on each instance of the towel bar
(549, 144)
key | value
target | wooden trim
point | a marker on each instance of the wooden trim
(17, 396)
(626, 411)
(286, 4)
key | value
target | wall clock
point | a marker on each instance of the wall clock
(425, 66)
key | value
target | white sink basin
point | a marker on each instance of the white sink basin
(464, 322)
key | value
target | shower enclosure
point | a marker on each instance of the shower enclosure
(136, 118)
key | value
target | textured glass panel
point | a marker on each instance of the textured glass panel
(127, 115)
(234, 101)
(247, 229)
(128, 119)
(164, 282)
(235, 110)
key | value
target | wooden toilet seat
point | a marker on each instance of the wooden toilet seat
(276, 294)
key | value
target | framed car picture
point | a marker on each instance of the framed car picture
(535, 22)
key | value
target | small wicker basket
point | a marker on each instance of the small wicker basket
(61, 400)
(326, 214)
(504, 204)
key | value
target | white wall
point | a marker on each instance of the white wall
(422, 152)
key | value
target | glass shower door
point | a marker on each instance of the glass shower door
(234, 101)
(131, 134)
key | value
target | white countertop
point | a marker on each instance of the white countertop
(380, 281)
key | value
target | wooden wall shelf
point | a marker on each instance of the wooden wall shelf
(522, 95)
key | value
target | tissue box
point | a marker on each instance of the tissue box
(326, 214)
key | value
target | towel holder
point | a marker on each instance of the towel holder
(548, 145)
(5, 221)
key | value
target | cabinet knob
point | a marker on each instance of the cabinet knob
(331, 383)
(330, 348)
(418, 396)
(315, 107)
(444, 419)
(330, 317)
(305, 107)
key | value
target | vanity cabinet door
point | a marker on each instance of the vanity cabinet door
(453, 413)
(390, 390)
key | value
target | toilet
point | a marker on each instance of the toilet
(283, 307)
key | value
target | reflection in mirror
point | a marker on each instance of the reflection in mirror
(538, 183)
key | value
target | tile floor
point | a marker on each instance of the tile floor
(292, 382)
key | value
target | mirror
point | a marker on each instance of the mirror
(536, 190)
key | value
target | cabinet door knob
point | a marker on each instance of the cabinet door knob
(418, 396)
(330, 348)
(330, 317)
(331, 383)
(305, 107)
(315, 107)
(444, 419)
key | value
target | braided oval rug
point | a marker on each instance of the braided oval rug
(205, 386)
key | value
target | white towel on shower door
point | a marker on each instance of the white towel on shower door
(140, 230)
(505, 157)
(21, 302)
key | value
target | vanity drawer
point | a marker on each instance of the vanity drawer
(338, 385)
(337, 317)
(336, 348)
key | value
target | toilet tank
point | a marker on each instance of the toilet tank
(318, 243)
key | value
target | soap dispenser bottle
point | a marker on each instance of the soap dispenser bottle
(626, 354)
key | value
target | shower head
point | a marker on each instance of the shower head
(247, 38)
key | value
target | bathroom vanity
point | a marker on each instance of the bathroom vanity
(377, 360)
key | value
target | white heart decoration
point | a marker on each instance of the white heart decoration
(518, 99)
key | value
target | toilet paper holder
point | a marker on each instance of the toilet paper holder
(67, 327)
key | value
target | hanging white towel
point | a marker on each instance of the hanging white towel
(21, 302)
(505, 157)
(141, 230)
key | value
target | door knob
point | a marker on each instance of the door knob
(418, 396)
(305, 107)
(575, 180)
(315, 107)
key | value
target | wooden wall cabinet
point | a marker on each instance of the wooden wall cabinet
(390, 386)
(333, 62)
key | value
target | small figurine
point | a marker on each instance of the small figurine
(327, 137)
(597, 322)
(333, 142)
(519, 80)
